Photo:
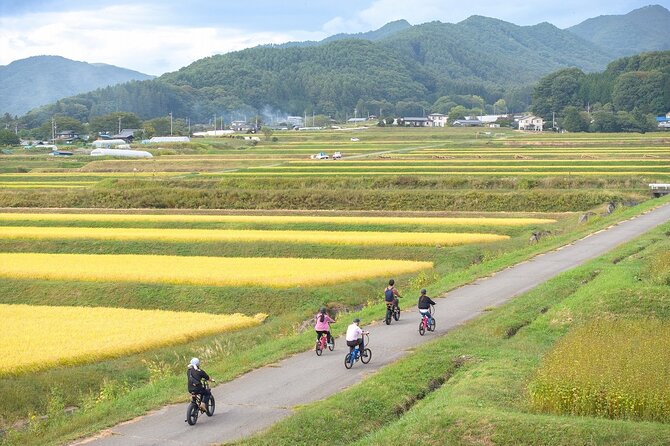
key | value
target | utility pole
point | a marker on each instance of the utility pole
(553, 120)
(170, 123)
(119, 126)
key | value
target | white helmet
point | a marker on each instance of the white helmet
(195, 362)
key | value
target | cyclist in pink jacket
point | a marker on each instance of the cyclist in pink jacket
(323, 322)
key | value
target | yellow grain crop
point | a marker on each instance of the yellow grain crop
(282, 219)
(217, 235)
(39, 337)
(219, 271)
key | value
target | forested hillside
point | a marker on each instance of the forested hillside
(620, 98)
(405, 73)
(29, 83)
(644, 29)
(378, 34)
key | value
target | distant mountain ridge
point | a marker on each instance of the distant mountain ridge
(378, 34)
(644, 29)
(29, 83)
(398, 68)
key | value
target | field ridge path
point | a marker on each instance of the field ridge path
(258, 399)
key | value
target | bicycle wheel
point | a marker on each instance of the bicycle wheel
(331, 346)
(422, 329)
(192, 414)
(209, 409)
(366, 356)
(396, 313)
(388, 316)
(348, 361)
(431, 325)
(318, 348)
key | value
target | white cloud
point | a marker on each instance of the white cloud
(124, 36)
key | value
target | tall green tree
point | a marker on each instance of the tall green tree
(111, 122)
(8, 138)
(573, 121)
(556, 91)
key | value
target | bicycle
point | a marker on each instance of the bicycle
(427, 324)
(322, 343)
(392, 311)
(355, 355)
(194, 409)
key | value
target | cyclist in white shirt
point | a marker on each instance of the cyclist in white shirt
(355, 336)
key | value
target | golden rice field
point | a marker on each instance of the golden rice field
(216, 271)
(281, 219)
(419, 173)
(224, 235)
(608, 368)
(79, 335)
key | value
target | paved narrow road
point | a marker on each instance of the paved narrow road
(260, 398)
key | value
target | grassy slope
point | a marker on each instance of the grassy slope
(485, 372)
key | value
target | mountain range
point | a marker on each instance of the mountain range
(398, 66)
(644, 29)
(29, 83)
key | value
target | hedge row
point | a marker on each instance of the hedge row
(338, 199)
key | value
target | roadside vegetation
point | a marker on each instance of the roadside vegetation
(472, 386)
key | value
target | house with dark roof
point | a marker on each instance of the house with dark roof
(128, 135)
(67, 136)
(412, 121)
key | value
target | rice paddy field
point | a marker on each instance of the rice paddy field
(254, 239)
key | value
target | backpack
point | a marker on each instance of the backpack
(193, 382)
(388, 294)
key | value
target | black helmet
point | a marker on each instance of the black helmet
(391, 282)
(322, 310)
(423, 291)
(356, 321)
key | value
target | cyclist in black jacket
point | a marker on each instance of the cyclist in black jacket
(195, 376)
(424, 305)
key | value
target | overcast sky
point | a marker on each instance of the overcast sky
(157, 36)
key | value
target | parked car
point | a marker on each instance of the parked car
(337, 155)
(320, 156)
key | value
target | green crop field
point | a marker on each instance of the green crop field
(76, 233)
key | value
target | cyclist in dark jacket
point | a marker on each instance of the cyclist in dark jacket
(391, 294)
(195, 377)
(424, 305)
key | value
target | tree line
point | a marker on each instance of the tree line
(627, 96)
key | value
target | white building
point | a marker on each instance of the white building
(531, 122)
(438, 119)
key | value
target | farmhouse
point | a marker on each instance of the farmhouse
(531, 123)
(67, 136)
(128, 135)
(411, 121)
(438, 119)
